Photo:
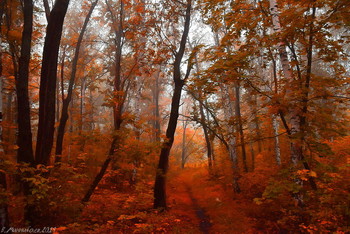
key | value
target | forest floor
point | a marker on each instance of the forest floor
(197, 204)
(209, 202)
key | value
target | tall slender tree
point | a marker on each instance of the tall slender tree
(163, 165)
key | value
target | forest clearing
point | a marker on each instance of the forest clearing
(174, 116)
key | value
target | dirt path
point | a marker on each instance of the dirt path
(204, 220)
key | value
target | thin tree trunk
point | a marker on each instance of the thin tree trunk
(183, 151)
(257, 123)
(252, 154)
(9, 120)
(101, 173)
(48, 82)
(275, 127)
(275, 123)
(240, 125)
(160, 182)
(156, 103)
(117, 108)
(67, 100)
(206, 136)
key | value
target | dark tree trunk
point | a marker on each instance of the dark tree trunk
(156, 110)
(257, 124)
(206, 136)
(66, 101)
(24, 140)
(183, 152)
(48, 78)
(160, 182)
(240, 126)
(101, 173)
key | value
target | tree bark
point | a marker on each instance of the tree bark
(160, 181)
(240, 125)
(275, 127)
(67, 100)
(183, 151)
(24, 140)
(231, 142)
(101, 173)
(156, 109)
(206, 136)
(48, 78)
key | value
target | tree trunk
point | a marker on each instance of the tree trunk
(160, 181)
(67, 100)
(183, 151)
(48, 82)
(229, 115)
(206, 136)
(211, 141)
(24, 140)
(156, 109)
(101, 173)
(240, 125)
(275, 127)
(252, 154)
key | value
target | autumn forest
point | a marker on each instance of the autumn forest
(174, 116)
